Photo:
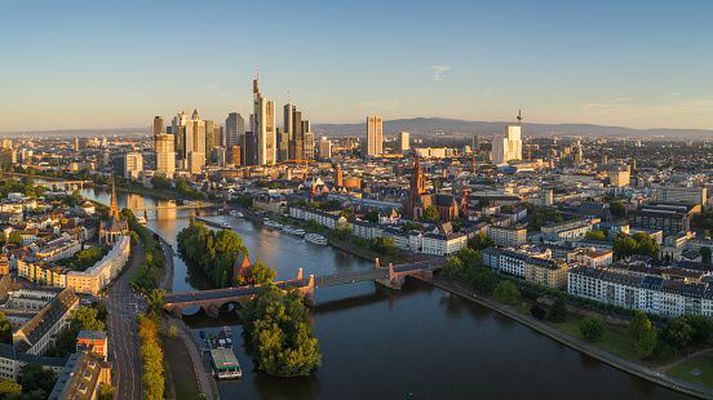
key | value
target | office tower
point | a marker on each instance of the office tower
(250, 149)
(157, 125)
(133, 165)
(306, 126)
(75, 144)
(165, 150)
(404, 141)
(194, 144)
(263, 127)
(235, 155)
(309, 145)
(283, 145)
(325, 148)
(292, 125)
(213, 137)
(178, 129)
(234, 134)
(508, 147)
(374, 136)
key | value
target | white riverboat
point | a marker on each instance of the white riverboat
(316, 239)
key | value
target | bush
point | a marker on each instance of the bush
(591, 328)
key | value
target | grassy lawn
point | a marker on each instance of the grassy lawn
(697, 370)
(180, 369)
(615, 339)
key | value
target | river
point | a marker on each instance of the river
(419, 342)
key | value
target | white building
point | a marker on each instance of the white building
(404, 141)
(508, 147)
(165, 150)
(133, 165)
(443, 245)
(374, 144)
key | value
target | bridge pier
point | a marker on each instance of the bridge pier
(211, 310)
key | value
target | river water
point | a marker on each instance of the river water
(416, 343)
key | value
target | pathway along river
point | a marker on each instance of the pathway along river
(419, 343)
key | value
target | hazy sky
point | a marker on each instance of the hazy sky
(106, 64)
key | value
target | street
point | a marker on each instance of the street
(123, 305)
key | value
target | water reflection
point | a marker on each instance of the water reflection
(383, 344)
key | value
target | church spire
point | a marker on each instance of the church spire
(114, 206)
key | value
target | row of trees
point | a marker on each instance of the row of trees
(151, 359)
(214, 253)
(278, 333)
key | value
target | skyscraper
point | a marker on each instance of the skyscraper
(250, 149)
(234, 135)
(404, 141)
(309, 145)
(263, 127)
(195, 143)
(292, 125)
(374, 136)
(325, 148)
(157, 125)
(213, 136)
(165, 149)
(508, 147)
(178, 129)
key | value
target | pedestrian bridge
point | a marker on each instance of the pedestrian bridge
(211, 301)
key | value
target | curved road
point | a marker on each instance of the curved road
(123, 305)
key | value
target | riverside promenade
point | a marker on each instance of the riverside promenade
(651, 375)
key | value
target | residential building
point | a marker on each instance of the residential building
(165, 151)
(404, 141)
(39, 333)
(507, 236)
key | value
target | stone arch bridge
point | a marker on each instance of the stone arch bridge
(392, 276)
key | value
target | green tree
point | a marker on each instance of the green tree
(278, 331)
(480, 241)
(625, 247)
(470, 257)
(642, 331)
(484, 280)
(384, 245)
(678, 332)
(591, 328)
(430, 214)
(9, 389)
(106, 392)
(5, 329)
(506, 292)
(260, 274)
(36, 381)
(151, 359)
(558, 312)
(596, 235)
(372, 216)
(15, 238)
(646, 245)
(454, 269)
(617, 209)
(154, 299)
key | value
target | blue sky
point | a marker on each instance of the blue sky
(101, 64)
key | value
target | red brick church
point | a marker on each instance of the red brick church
(418, 199)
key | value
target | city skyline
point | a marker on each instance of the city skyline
(543, 58)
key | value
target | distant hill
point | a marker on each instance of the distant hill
(422, 126)
(58, 133)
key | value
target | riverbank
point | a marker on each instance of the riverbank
(579, 345)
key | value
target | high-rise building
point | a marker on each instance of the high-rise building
(508, 147)
(325, 148)
(283, 145)
(263, 126)
(157, 125)
(178, 129)
(234, 135)
(213, 136)
(133, 165)
(250, 149)
(195, 143)
(293, 126)
(165, 150)
(374, 145)
(309, 145)
(235, 155)
(75, 144)
(404, 141)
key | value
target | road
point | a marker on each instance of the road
(123, 305)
